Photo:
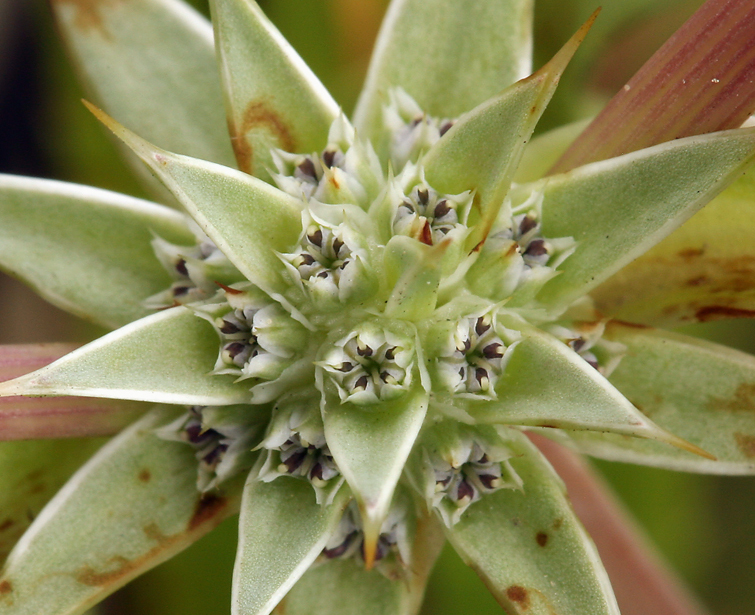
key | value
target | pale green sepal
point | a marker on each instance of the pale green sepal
(88, 251)
(542, 151)
(529, 547)
(164, 358)
(247, 219)
(344, 587)
(482, 149)
(702, 271)
(546, 384)
(91, 538)
(415, 291)
(272, 97)
(282, 530)
(700, 391)
(151, 64)
(370, 444)
(30, 474)
(617, 209)
(449, 56)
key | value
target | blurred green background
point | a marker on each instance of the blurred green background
(704, 526)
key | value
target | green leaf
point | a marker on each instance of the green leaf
(702, 271)
(482, 150)
(530, 549)
(30, 474)
(282, 530)
(344, 587)
(449, 56)
(547, 384)
(151, 64)
(617, 209)
(370, 445)
(85, 250)
(166, 357)
(131, 507)
(246, 218)
(273, 98)
(700, 391)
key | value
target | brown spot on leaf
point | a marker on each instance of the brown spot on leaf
(697, 281)
(6, 587)
(746, 444)
(689, 254)
(6, 524)
(87, 14)
(517, 593)
(743, 400)
(208, 506)
(123, 567)
(541, 538)
(259, 116)
(718, 312)
(145, 475)
(558, 523)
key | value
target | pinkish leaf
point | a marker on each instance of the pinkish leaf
(23, 418)
(702, 80)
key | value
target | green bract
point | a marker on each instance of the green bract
(356, 322)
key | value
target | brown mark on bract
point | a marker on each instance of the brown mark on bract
(718, 312)
(6, 524)
(746, 444)
(6, 587)
(145, 475)
(258, 116)
(541, 538)
(689, 254)
(208, 506)
(697, 281)
(519, 595)
(88, 15)
(743, 400)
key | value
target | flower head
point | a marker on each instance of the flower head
(348, 331)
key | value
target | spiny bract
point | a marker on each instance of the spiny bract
(357, 323)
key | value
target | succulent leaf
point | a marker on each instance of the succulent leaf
(282, 530)
(246, 218)
(688, 386)
(619, 208)
(103, 267)
(151, 63)
(370, 445)
(530, 549)
(166, 357)
(273, 99)
(701, 272)
(448, 56)
(30, 474)
(92, 539)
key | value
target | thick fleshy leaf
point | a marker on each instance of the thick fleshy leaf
(30, 474)
(415, 291)
(530, 549)
(273, 98)
(151, 64)
(547, 384)
(699, 81)
(370, 445)
(482, 150)
(88, 251)
(619, 208)
(700, 391)
(702, 271)
(131, 507)
(166, 358)
(246, 218)
(449, 56)
(344, 587)
(282, 530)
(57, 417)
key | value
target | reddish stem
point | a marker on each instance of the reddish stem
(701, 80)
(642, 583)
(24, 418)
